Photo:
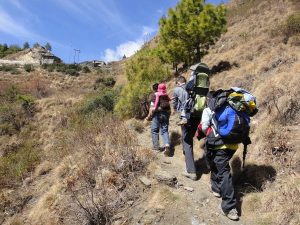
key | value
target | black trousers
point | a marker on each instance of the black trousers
(221, 179)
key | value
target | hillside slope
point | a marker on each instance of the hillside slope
(90, 165)
(250, 56)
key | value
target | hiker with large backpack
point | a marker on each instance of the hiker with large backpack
(159, 113)
(197, 89)
(187, 100)
(226, 124)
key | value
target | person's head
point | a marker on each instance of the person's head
(180, 80)
(155, 87)
(162, 88)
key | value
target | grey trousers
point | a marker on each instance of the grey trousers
(188, 132)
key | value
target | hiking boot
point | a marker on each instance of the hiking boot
(231, 214)
(192, 176)
(167, 151)
(216, 194)
(183, 121)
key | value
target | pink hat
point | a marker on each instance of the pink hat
(162, 89)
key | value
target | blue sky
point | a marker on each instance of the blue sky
(101, 29)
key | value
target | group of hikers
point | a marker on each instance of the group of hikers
(221, 117)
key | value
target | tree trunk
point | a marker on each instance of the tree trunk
(198, 54)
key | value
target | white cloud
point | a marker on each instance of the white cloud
(9, 26)
(128, 48)
(148, 30)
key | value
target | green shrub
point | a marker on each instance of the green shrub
(144, 69)
(60, 68)
(109, 82)
(9, 68)
(48, 67)
(28, 68)
(7, 50)
(290, 27)
(138, 126)
(16, 111)
(11, 93)
(69, 69)
(72, 72)
(102, 101)
(86, 69)
(75, 67)
(15, 165)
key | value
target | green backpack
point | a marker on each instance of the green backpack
(198, 88)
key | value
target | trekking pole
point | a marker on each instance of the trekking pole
(246, 143)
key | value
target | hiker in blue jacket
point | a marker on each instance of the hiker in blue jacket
(224, 128)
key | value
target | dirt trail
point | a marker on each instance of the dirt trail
(176, 205)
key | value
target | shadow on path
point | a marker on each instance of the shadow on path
(202, 167)
(250, 179)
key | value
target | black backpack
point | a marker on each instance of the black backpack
(164, 103)
(239, 133)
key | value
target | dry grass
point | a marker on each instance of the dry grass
(107, 167)
(269, 68)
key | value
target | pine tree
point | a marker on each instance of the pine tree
(36, 45)
(189, 29)
(48, 46)
(26, 45)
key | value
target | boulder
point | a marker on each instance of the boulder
(165, 177)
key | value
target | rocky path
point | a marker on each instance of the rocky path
(187, 202)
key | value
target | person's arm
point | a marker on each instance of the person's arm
(206, 119)
(151, 108)
(150, 114)
(175, 99)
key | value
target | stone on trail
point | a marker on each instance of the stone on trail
(145, 181)
(165, 177)
(195, 221)
(130, 203)
(190, 189)
(167, 162)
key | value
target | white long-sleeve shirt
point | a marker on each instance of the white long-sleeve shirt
(206, 119)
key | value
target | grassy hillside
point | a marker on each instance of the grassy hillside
(66, 159)
(261, 53)
(60, 144)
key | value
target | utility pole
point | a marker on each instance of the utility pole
(76, 52)
(78, 56)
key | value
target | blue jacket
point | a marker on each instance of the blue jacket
(226, 119)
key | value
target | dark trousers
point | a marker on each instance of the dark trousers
(221, 179)
(188, 132)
